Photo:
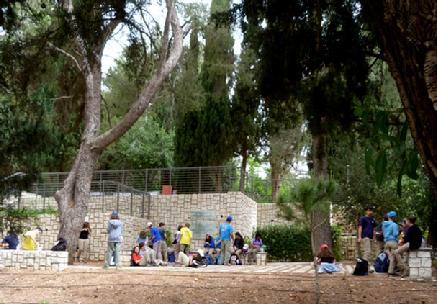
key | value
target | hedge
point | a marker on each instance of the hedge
(287, 243)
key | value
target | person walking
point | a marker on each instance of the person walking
(391, 231)
(226, 235)
(186, 236)
(84, 243)
(115, 238)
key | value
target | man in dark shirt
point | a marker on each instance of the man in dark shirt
(412, 241)
(366, 232)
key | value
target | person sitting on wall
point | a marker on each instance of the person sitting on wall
(255, 247)
(10, 241)
(326, 260)
(238, 245)
(29, 240)
(209, 248)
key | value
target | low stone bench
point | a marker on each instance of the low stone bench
(35, 260)
(420, 263)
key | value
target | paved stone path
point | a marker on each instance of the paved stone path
(296, 267)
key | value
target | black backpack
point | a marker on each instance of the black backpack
(60, 246)
(361, 268)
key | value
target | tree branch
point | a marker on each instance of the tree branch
(64, 52)
(149, 91)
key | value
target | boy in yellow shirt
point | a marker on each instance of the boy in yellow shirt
(186, 236)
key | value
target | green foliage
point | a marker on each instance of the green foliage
(146, 145)
(288, 243)
(308, 195)
(336, 232)
(19, 220)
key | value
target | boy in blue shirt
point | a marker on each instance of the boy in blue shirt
(226, 235)
(156, 238)
(391, 231)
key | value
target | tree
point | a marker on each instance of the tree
(406, 34)
(312, 52)
(204, 137)
(88, 25)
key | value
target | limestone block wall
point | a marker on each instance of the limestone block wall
(420, 263)
(35, 260)
(268, 215)
(203, 211)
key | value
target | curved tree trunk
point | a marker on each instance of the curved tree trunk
(73, 198)
(244, 156)
(275, 179)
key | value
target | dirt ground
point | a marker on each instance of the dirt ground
(148, 286)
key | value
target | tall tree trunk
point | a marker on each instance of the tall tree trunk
(276, 179)
(73, 198)
(320, 218)
(244, 156)
(406, 31)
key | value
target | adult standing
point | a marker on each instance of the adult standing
(155, 237)
(366, 233)
(391, 231)
(163, 245)
(186, 236)
(115, 238)
(226, 234)
(84, 243)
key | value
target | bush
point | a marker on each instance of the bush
(336, 232)
(286, 242)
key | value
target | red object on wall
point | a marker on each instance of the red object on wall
(167, 190)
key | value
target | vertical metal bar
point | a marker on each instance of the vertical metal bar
(103, 196)
(148, 206)
(142, 206)
(200, 180)
(131, 202)
(145, 180)
(170, 177)
(118, 195)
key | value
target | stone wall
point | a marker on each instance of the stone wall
(203, 211)
(35, 260)
(268, 215)
(420, 263)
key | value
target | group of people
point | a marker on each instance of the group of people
(157, 246)
(395, 239)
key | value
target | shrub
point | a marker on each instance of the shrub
(336, 232)
(287, 242)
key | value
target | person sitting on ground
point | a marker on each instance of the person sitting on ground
(10, 241)
(326, 260)
(255, 247)
(412, 241)
(147, 254)
(193, 259)
(238, 244)
(163, 243)
(218, 251)
(209, 245)
(135, 256)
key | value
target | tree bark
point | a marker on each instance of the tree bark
(406, 32)
(320, 217)
(275, 179)
(244, 156)
(73, 198)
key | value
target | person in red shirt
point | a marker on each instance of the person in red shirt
(136, 257)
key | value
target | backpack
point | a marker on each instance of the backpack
(60, 246)
(361, 268)
(382, 262)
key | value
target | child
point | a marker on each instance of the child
(136, 257)
(84, 243)
(326, 260)
(209, 245)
